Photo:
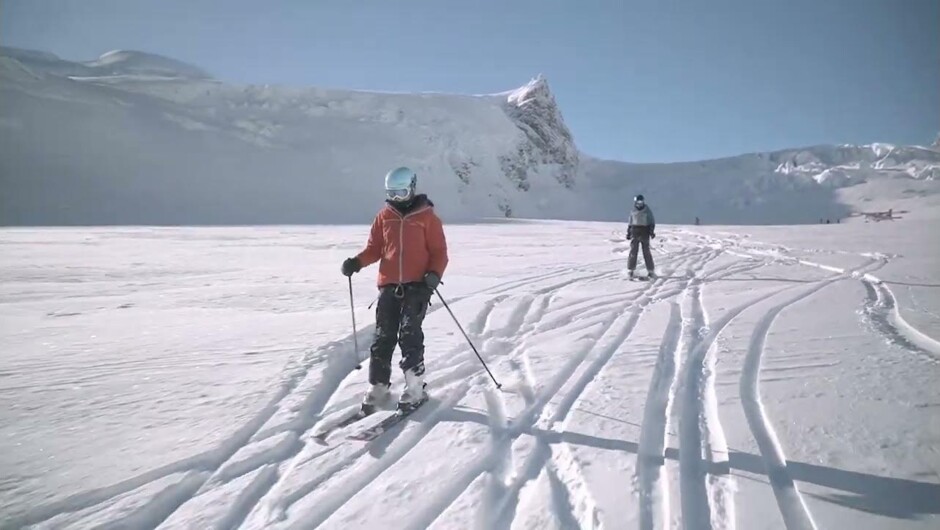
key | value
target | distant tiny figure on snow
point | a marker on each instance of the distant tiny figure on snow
(697, 221)
(641, 228)
(407, 239)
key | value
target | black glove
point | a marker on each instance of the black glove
(629, 234)
(432, 280)
(351, 266)
(652, 235)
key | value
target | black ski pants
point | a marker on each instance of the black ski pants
(398, 318)
(635, 244)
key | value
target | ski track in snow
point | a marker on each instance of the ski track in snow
(707, 497)
(696, 511)
(881, 309)
(523, 424)
(556, 458)
(653, 494)
(280, 463)
(480, 328)
(883, 314)
(500, 456)
(500, 498)
(651, 460)
(551, 452)
(226, 467)
(796, 515)
(216, 466)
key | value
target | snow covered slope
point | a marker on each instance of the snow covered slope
(117, 62)
(134, 138)
(791, 186)
(173, 378)
(121, 148)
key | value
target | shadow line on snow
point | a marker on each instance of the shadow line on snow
(891, 497)
(910, 284)
(757, 279)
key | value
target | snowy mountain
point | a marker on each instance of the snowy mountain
(117, 62)
(135, 138)
(121, 148)
(781, 187)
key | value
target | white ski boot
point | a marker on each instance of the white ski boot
(377, 396)
(414, 393)
(651, 274)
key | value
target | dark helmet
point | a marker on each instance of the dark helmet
(639, 202)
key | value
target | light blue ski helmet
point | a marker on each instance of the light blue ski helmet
(400, 184)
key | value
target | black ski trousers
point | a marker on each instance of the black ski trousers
(398, 318)
(635, 243)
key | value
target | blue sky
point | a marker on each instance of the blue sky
(637, 81)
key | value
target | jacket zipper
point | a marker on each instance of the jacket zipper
(401, 251)
(401, 242)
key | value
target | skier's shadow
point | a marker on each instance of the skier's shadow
(891, 497)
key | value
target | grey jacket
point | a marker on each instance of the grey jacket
(643, 217)
(642, 223)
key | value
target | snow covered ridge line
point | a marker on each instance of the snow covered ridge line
(505, 154)
(495, 155)
(112, 63)
(534, 110)
(835, 165)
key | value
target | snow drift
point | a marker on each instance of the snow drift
(135, 138)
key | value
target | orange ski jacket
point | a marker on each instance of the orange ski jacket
(408, 244)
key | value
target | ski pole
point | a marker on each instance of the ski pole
(352, 311)
(498, 386)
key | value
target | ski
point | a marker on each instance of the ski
(373, 432)
(359, 414)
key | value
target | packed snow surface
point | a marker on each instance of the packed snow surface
(770, 378)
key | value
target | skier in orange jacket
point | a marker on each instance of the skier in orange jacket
(407, 239)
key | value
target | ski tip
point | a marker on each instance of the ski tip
(320, 436)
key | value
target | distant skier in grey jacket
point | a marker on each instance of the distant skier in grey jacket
(641, 228)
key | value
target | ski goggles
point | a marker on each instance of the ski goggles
(639, 203)
(398, 195)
